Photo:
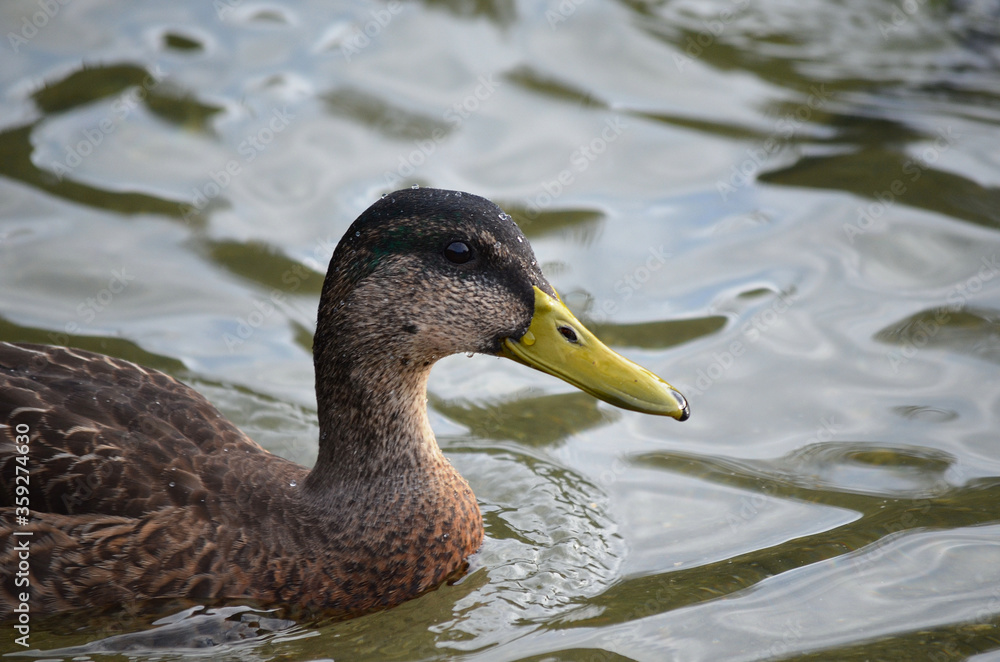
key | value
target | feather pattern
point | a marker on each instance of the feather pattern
(140, 488)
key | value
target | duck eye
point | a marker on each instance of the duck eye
(458, 252)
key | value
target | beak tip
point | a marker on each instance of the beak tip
(684, 409)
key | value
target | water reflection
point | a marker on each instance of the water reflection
(16, 163)
(231, 631)
(825, 175)
(551, 546)
(971, 331)
(381, 116)
(530, 419)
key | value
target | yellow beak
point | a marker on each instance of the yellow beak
(557, 343)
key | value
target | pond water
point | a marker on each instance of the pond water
(791, 211)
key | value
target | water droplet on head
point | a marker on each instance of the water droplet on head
(415, 186)
(293, 484)
(172, 484)
(357, 233)
(470, 354)
(458, 194)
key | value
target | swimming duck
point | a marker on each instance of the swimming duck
(139, 488)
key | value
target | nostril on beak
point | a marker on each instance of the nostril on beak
(568, 333)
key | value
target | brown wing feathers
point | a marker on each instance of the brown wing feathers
(124, 499)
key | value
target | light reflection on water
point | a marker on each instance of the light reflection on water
(789, 211)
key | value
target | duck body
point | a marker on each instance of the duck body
(204, 512)
(138, 488)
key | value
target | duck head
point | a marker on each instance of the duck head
(425, 273)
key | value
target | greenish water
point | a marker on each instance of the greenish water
(790, 211)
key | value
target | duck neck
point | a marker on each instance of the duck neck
(372, 419)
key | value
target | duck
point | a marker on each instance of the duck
(136, 488)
